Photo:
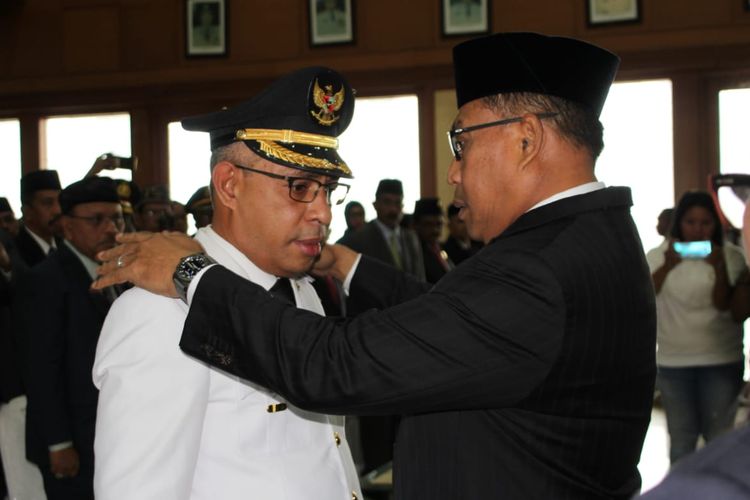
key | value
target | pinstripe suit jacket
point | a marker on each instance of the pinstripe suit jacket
(526, 372)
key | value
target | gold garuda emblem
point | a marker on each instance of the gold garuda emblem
(327, 102)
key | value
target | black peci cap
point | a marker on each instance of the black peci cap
(4, 205)
(529, 62)
(39, 180)
(427, 206)
(389, 186)
(293, 122)
(88, 190)
(200, 201)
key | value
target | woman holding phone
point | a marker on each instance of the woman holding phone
(699, 344)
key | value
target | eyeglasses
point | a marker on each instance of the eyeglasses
(99, 220)
(457, 146)
(304, 189)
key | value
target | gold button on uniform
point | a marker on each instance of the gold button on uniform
(354, 495)
(337, 438)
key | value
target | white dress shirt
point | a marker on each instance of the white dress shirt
(171, 427)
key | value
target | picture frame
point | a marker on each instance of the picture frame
(206, 28)
(607, 12)
(465, 17)
(331, 22)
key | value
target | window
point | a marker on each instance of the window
(10, 159)
(382, 142)
(734, 107)
(637, 119)
(74, 142)
(189, 158)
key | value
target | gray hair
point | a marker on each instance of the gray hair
(574, 123)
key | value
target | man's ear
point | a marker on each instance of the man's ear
(224, 178)
(531, 138)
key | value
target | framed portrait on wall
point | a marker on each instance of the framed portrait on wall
(465, 17)
(331, 22)
(603, 12)
(206, 28)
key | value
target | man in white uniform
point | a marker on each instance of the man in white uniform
(171, 427)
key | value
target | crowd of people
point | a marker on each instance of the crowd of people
(517, 358)
(50, 320)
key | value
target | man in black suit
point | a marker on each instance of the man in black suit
(40, 207)
(383, 238)
(8, 221)
(526, 372)
(458, 245)
(428, 224)
(22, 477)
(61, 318)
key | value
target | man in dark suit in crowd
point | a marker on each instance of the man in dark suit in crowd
(526, 372)
(428, 224)
(458, 245)
(40, 208)
(8, 221)
(199, 206)
(61, 318)
(22, 477)
(383, 238)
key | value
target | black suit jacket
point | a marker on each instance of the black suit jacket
(29, 250)
(11, 384)
(526, 372)
(61, 319)
(369, 240)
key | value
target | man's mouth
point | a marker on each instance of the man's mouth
(309, 247)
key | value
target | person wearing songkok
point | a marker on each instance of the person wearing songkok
(61, 318)
(383, 238)
(8, 221)
(199, 206)
(527, 371)
(40, 208)
(458, 245)
(428, 224)
(171, 427)
(22, 477)
(153, 211)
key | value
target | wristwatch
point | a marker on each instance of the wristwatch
(187, 269)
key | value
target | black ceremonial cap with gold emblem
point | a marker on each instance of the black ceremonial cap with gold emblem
(293, 122)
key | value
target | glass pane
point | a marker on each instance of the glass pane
(734, 107)
(10, 163)
(382, 142)
(74, 143)
(189, 169)
(637, 119)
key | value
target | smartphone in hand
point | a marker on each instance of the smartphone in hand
(692, 249)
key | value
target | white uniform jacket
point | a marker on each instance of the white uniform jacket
(170, 427)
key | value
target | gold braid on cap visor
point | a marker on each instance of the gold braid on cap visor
(267, 139)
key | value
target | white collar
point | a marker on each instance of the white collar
(574, 191)
(40, 241)
(89, 264)
(230, 257)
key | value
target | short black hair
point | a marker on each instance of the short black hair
(697, 199)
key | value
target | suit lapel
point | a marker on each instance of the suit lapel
(79, 279)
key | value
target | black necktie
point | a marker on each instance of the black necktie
(282, 290)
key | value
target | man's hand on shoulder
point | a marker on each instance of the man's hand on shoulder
(148, 260)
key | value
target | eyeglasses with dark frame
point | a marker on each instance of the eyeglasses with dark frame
(456, 145)
(99, 220)
(305, 189)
